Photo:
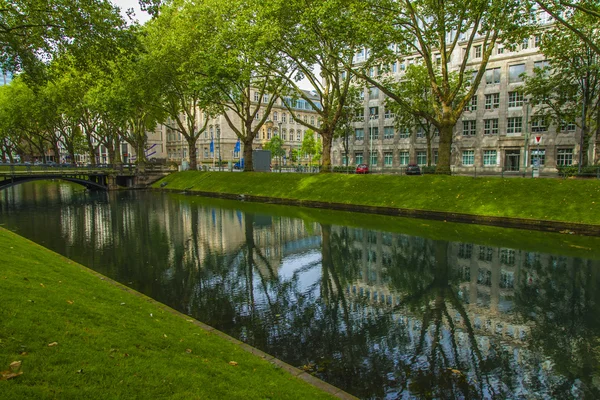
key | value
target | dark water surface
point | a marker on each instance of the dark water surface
(381, 307)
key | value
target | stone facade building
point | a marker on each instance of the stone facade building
(497, 132)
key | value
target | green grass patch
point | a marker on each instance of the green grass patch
(112, 344)
(566, 200)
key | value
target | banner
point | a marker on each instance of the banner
(237, 146)
(212, 146)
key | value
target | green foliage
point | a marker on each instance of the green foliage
(275, 146)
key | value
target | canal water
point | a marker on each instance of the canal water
(381, 307)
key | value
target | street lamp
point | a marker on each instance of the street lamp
(219, 144)
(282, 143)
(526, 103)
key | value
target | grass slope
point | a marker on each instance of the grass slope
(526, 240)
(111, 343)
(539, 199)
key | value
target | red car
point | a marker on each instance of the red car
(362, 169)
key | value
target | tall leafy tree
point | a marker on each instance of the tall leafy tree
(317, 43)
(441, 35)
(570, 84)
(33, 31)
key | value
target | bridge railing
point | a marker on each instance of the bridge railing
(24, 168)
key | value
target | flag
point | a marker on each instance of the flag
(212, 146)
(237, 146)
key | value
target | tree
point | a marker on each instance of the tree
(236, 43)
(345, 128)
(442, 35)
(570, 82)
(275, 146)
(309, 145)
(314, 38)
(176, 64)
(32, 31)
(562, 12)
(415, 88)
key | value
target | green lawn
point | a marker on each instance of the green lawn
(567, 200)
(112, 344)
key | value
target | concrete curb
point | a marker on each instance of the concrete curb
(504, 222)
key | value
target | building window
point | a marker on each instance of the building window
(469, 128)
(420, 132)
(564, 157)
(361, 95)
(472, 104)
(514, 125)
(360, 115)
(206, 152)
(373, 93)
(388, 114)
(374, 133)
(537, 41)
(541, 67)
(468, 157)
(359, 134)
(539, 124)
(435, 157)
(507, 256)
(500, 49)
(388, 132)
(358, 158)
(373, 157)
(256, 97)
(404, 158)
(284, 117)
(422, 157)
(492, 76)
(465, 250)
(490, 157)
(478, 51)
(298, 136)
(388, 158)
(486, 253)
(265, 98)
(540, 156)
(373, 112)
(492, 101)
(275, 116)
(514, 73)
(567, 126)
(525, 44)
(284, 134)
(515, 99)
(404, 132)
(490, 126)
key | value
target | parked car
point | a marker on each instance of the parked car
(362, 169)
(413, 169)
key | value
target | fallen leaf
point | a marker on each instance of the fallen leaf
(24, 353)
(53, 344)
(164, 334)
(80, 371)
(70, 301)
(15, 366)
(42, 285)
(233, 363)
(188, 351)
(6, 375)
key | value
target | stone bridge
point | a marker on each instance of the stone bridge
(93, 178)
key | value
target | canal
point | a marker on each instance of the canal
(381, 307)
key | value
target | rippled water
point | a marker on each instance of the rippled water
(381, 307)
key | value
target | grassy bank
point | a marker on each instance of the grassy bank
(567, 200)
(78, 336)
(483, 235)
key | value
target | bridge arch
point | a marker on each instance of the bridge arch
(17, 180)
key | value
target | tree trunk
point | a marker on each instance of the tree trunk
(429, 150)
(141, 151)
(193, 154)
(117, 150)
(248, 155)
(91, 151)
(445, 150)
(326, 156)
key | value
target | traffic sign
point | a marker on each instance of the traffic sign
(538, 139)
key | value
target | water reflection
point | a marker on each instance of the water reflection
(380, 314)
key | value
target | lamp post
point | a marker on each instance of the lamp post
(282, 143)
(219, 144)
(526, 145)
(583, 124)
